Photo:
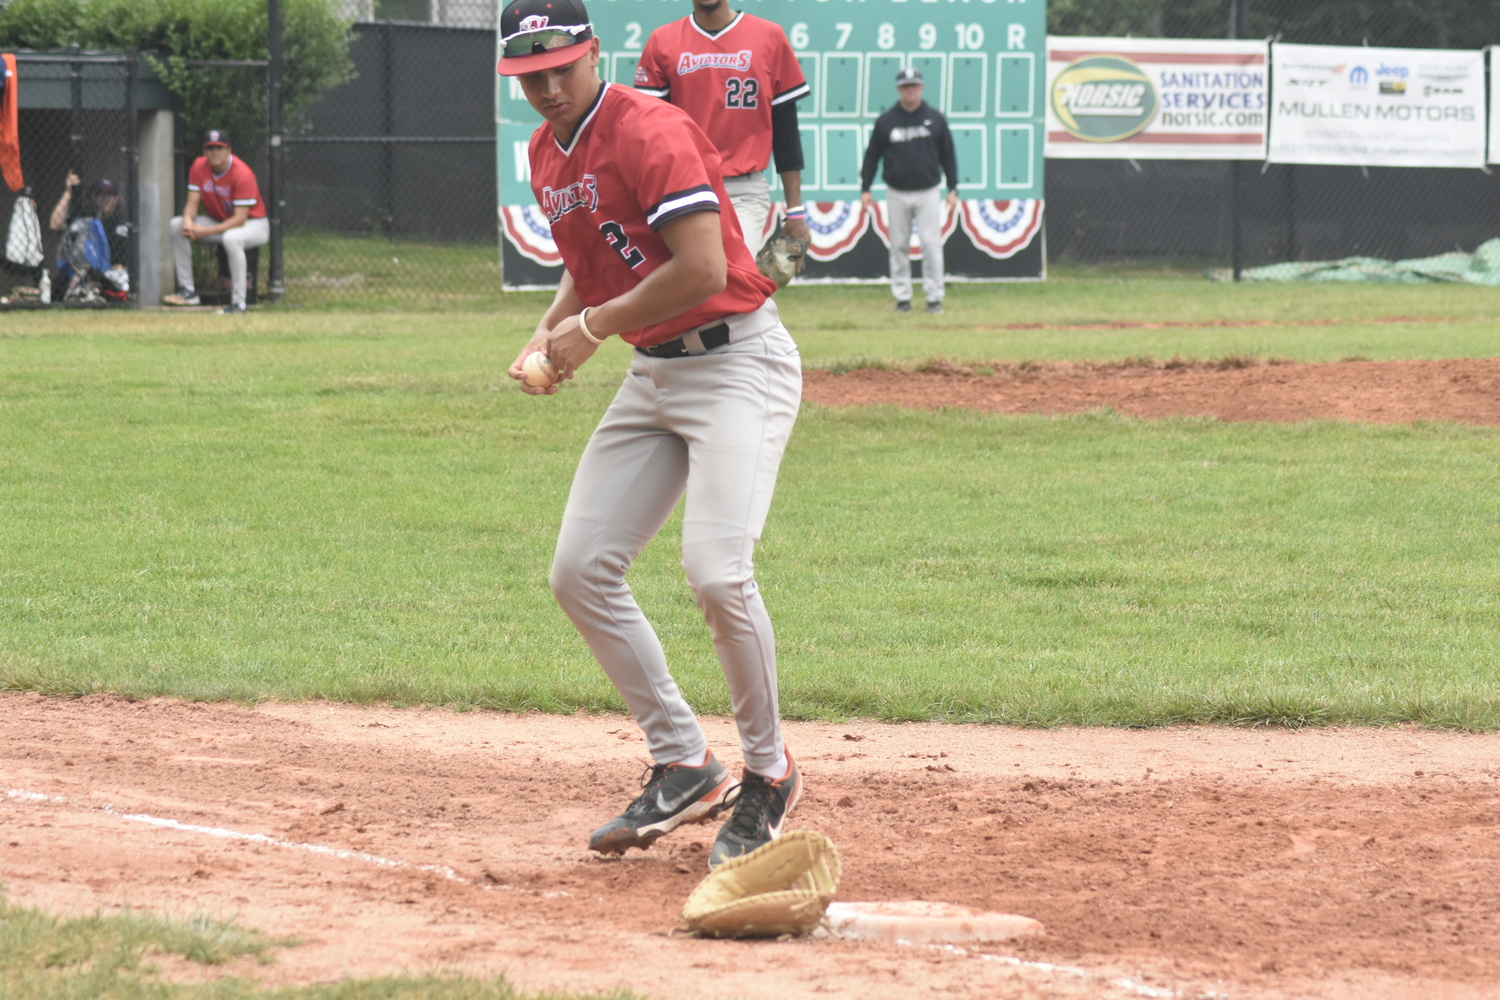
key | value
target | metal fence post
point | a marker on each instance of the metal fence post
(1237, 11)
(275, 283)
(75, 79)
(388, 154)
(133, 175)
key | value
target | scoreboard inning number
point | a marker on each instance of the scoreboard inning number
(982, 62)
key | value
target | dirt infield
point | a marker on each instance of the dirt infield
(1327, 863)
(1233, 389)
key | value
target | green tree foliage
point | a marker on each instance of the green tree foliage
(173, 32)
(1438, 24)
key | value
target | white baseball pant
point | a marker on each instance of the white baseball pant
(713, 425)
(254, 233)
(750, 194)
(924, 211)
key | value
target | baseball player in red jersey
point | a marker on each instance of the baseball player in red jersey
(633, 192)
(226, 190)
(739, 78)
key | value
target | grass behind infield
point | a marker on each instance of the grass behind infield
(359, 506)
(95, 956)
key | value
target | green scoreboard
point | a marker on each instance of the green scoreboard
(984, 63)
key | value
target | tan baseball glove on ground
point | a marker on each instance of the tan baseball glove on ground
(781, 259)
(778, 889)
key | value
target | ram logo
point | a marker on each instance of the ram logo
(1103, 98)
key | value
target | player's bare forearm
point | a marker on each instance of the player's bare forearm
(190, 215)
(696, 271)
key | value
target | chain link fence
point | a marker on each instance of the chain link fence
(390, 178)
(77, 135)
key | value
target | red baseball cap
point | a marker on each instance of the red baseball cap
(542, 34)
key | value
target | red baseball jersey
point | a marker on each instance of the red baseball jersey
(727, 81)
(220, 195)
(633, 165)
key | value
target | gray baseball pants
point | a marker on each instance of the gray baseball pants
(924, 211)
(254, 233)
(750, 194)
(714, 426)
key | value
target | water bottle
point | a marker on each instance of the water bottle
(45, 287)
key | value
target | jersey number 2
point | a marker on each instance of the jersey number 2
(741, 93)
(615, 233)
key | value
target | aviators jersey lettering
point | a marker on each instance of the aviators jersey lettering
(727, 81)
(633, 165)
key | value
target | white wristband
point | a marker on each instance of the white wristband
(584, 326)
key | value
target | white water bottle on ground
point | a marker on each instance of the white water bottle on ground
(45, 287)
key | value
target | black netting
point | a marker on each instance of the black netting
(390, 178)
(72, 125)
(1181, 211)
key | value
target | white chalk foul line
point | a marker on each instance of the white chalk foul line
(261, 838)
(1129, 985)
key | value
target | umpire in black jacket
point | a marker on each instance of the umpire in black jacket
(913, 140)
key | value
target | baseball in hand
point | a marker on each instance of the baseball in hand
(538, 370)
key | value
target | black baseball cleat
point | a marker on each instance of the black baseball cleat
(759, 813)
(904, 306)
(672, 795)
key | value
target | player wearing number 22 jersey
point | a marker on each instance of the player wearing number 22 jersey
(728, 81)
(738, 79)
(633, 165)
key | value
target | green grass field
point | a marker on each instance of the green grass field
(44, 957)
(360, 506)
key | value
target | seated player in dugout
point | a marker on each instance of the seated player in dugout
(96, 243)
(738, 78)
(634, 193)
(234, 215)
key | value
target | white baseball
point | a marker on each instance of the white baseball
(538, 370)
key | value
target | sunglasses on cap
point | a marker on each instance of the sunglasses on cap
(540, 40)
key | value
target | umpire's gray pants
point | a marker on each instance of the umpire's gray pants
(924, 211)
(714, 426)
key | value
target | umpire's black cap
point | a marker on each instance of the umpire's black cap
(542, 34)
(908, 76)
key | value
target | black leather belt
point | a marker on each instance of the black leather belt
(713, 337)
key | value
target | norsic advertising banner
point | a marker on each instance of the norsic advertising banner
(983, 65)
(1378, 107)
(1156, 99)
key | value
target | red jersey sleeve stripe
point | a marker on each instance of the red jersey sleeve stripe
(654, 91)
(696, 199)
(799, 91)
(246, 201)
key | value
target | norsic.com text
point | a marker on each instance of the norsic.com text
(1213, 119)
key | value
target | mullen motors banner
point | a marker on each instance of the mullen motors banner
(1156, 99)
(1378, 107)
(983, 63)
